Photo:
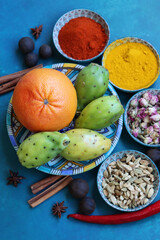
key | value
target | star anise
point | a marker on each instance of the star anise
(14, 178)
(58, 209)
(37, 31)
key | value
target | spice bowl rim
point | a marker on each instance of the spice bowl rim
(138, 40)
(125, 116)
(115, 157)
(55, 36)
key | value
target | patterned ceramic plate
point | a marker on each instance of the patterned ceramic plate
(115, 157)
(60, 166)
(75, 14)
(136, 40)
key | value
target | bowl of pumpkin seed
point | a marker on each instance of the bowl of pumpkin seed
(128, 180)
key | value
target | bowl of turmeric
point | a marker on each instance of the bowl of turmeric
(81, 35)
(133, 64)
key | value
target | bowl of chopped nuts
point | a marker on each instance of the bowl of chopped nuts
(142, 117)
(128, 180)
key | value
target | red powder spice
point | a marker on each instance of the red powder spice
(82, 38)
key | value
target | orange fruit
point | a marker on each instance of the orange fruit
(44, 100)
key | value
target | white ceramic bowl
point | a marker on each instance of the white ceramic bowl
(119, 42)
(119, 155)
(75, 14)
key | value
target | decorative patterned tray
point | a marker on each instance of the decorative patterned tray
(60, 166)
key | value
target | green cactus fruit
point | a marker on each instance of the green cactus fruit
(91, 83)
(41, 147)
(85, 145)
(100, 113)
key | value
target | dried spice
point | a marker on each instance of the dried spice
(58, 209)
(144, 117)
(131, 65)
(128, 182)
(82, 38)
(37, 31)
(14, 178)
(120, 218)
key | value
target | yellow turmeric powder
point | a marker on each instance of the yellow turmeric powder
(131, 66)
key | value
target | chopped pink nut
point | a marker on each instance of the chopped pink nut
(157, 140)
(134, 102)
(150, 130)
(155, 117)
(152, 110)
(147, 96)
(157, 105)
(144, 125)
(143, 102)
(131, 118)
(142, 113)
(136, 131)
(154, 135)
(133, 112)
(156, 125)
(154, 100)
(135, 124)
(147, 119)
(147, 140)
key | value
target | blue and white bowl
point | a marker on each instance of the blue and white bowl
(75, 14)
(121, 41)
(138, 95)
(115, 157)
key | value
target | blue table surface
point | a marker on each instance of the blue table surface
(17, 220)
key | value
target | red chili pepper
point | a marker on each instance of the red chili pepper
(120, 218)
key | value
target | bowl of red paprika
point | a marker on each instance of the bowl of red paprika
(81, 35)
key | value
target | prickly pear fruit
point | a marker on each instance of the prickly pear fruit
(85, 145)
(100, 113)
(91, 83)
(41, 147)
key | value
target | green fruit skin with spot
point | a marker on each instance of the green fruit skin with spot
(100, 113)
(85, 145)
(41, 147)
(91, 83)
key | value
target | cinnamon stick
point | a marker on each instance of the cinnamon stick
(37, 187)
(9, 84)
(53, 189)
(12, 76)
(7, 90)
